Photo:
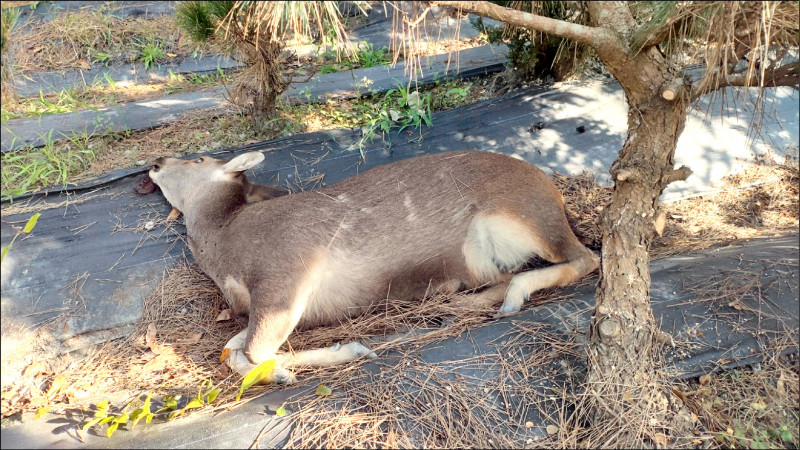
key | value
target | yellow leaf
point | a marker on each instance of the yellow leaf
(224, 355)
(41, 411)
(258, 373)
(34, 369)
(171, 55)
(193, 404)
(111, 429)
(31, 223)
(58, 384)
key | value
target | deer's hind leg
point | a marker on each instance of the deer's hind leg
(268, 329)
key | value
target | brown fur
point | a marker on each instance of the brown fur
(447, 221)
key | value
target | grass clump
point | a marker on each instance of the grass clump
(50, 165)
(365, 56)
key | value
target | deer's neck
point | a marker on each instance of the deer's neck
(213, 211)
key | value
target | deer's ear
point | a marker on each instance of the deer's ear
(243, 162)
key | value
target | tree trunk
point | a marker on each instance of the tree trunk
(623, 327)
(262, 81)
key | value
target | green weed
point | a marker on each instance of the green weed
(366, 56)
(24, 171)
(150, 52)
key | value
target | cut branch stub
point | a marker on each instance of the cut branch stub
(672, 90)
(626, 175)
(609, 327)
(678, 175)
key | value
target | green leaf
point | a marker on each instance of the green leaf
(111, 429)
(258, 373)
(140, 413)
(41, 411)
(170, 402)
(323, 390)
(786, 435)
(213, 394)
(106, 419)
(92, 422)
(31, 223)
(195, 403)
(280, 412)
(3, 256)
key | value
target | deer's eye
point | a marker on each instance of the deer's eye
(198, 160)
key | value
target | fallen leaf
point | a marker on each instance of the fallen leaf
(528, 424)
(171, 55)
(552, 429)
(84, 64)
(58, 384)
(223, 371)
(41, 411)
(661, 439)
(781, 387)
(173, 215)
(37, 49)
(160, 362)
(195, 337)
(704, 379)
(225, 314)
(323, 390)
(224, 355)
(695, 418)
(255, 375)
(627, 396)
(34, 369)
(150, 338)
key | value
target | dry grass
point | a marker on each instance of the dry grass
(761, 199)
(80, 39)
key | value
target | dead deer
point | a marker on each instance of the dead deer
(434, 223)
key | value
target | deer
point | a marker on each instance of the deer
(436, 223)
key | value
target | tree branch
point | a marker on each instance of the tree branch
(677, 175)
(592, 36)
(785, 75)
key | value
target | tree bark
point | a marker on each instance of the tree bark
(623, 327)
